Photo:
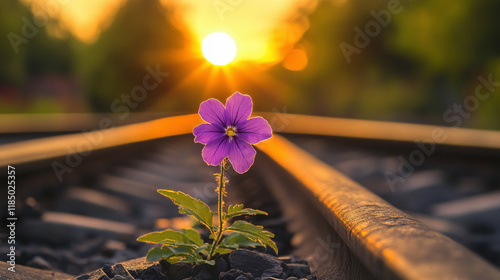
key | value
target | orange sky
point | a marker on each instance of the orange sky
(257, 26)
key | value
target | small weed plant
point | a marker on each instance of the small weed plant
(228, 136)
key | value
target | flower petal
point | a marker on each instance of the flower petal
(216, 150)
(238, 108)
(255, 130)
(204, 133)
(241, 154)
(213, 111)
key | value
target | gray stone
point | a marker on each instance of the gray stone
(241, 277)
(286, 259)
(258, 264)
(179, 271)
(234, 273)
(108, 270)
(275, 272)
(221, 265)
(204, 272)
(97, 275)
(299, 270)
(119, 269)
(153, 273)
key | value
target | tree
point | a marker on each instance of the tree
(140, 36)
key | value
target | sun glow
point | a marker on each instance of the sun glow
(218, 48)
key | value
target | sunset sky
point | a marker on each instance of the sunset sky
(262, 29)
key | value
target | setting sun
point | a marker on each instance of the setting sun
(218, 48)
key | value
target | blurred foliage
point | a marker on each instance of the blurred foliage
(117, 62)
(452, 39)
(27, 56)
(12, 70)
(425, 59)
(28, 53)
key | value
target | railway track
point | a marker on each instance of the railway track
(88, 212)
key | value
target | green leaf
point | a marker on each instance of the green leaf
(189, 258)
(191, 247)
(238, 210)
(167, 252)
(203, 249)
(254, 233)
(157, 253)
(211, 262)
(223, 251)
(159, 236)
(236, 239)
(191, 206)
(164, 252)
(185, 246)
(219, 250)
(186, 237)
(193, 235)
(176, 259)
(183, 250)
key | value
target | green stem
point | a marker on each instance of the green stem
(220, 210)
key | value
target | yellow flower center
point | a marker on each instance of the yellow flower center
(230, 131)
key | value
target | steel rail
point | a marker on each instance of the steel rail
(383, 130)
(390, 243)
(56, 146)
(65, 122)
(106, 137)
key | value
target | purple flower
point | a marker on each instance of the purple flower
(229, 132)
